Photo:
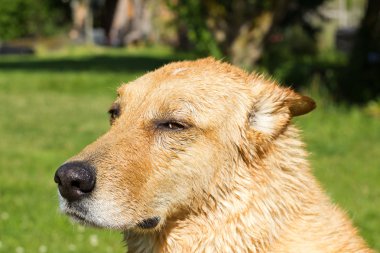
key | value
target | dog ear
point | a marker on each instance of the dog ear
(300, 105)
(274, 107)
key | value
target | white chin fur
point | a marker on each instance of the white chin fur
(93, 212)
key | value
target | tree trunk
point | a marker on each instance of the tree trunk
(249, 43)
(132, 22)
(360, 81)
(247, 47)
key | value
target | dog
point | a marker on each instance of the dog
(202, 157)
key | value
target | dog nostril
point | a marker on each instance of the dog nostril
(57, 179)
(75, 180)
(83, 186)
(75, 184)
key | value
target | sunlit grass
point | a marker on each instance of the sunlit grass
(51, 107)
(345, 155)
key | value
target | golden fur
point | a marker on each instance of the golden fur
(231, 176)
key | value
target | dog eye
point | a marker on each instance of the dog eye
(171, 126)
(114, 113)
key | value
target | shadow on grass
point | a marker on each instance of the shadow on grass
(93, 63)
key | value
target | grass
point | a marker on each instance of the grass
(52, 105)
(345, 154)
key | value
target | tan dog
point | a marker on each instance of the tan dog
(202, 157)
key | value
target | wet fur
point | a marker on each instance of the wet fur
(235, 180)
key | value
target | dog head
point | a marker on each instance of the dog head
(172, 131)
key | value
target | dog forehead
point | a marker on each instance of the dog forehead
(204, 88)
(204, 77)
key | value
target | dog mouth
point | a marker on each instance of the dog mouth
(87, 214)
(149, 223)
(78, 214)
(145, 225)
(76, 217)
(81, 219)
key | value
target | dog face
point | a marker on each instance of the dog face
(173, 131)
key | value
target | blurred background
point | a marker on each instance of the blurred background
(61, 60)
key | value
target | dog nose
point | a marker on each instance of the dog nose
(75, 180)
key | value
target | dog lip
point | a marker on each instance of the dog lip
(75, 211)
(75, 215)
(77, 208)
(149, 223)
(81, 219)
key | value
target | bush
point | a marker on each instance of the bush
(26, 18)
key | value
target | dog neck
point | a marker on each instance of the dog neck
(239, 210)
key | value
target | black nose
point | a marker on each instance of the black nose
(75, 180)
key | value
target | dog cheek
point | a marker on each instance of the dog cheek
(186, 174)
(123, 179)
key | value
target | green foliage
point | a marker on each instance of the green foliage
(296, 62)
(359, 82)
(21, 18)
(192, 17)
(212, 26)
(290, 52)
(291, 59)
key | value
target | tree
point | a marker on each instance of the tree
(360, 81)
(131, 22)
(241, 29)
(30, 18)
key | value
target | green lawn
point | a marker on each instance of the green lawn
(52, 106)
